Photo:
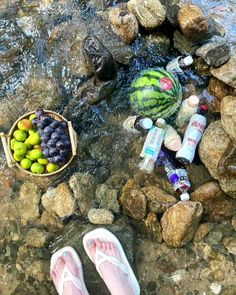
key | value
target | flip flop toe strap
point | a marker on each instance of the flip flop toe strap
(67, 276)
(101, 257)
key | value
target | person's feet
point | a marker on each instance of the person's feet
(56, 274)
(116, 280)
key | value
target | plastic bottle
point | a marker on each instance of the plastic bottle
(188, 108)
(136, 124)
(152, 146)
(177, 176)
(172, 139)
(192, 136)
(177, 65)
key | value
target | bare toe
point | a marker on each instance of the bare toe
(68, 259)
(59, 266)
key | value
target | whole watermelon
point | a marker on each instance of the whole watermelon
(155, 93)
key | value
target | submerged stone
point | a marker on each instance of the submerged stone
(228, 116)
(107, 198)
(100, 216)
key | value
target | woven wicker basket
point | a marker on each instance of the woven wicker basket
(6, 141)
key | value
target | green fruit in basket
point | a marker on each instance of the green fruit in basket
(27, 155)
(37, 147)
(43, 161)
(35, 155)
(37, 168)
(20, 135)
(51, 167)
(13, 141)
(26, 163)
(20, 148)
(29, 146)
(34, 138)
(32, 116)
(25, 125)
(32, 131)
(18, 158)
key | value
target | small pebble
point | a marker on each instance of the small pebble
(100, 216)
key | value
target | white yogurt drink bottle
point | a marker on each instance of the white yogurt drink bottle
(177, 65)
(172, 140)
(152, 146)
(188, 108)
(192, 136)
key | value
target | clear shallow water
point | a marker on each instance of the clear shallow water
(44, 50)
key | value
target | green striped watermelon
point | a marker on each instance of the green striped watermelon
(155, 93)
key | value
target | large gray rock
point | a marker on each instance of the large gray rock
(28, 202)
(215, 52)
(123, 23)
(150, 13)
(83, 186)
(179, 223)
(213, 145)
(228, 116)
(107, 198)
(59, 201)
(192, 22)
(183, 44)
(226, 73)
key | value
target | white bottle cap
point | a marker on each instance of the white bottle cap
(188, 60)
(193, 100)
(146, 123)
(184, 197)
(174, 144)
(160, 122)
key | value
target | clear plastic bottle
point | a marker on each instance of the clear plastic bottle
(188, 108)
(192, 136)
(152, 146)
(136, 124)
(172, 139)
(177, 65)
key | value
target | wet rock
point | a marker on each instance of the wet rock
(134, 204)
(28, 202)
(192, 22)
(59, 201)
(234, 222)
(184, 45)
(230, 244)
(216, 204)
(226, 73)
(50, 221)
(214, 238)
(198, 175)
(153, 227)
(130, 185)
(219, 275)
(28, 26)
(83, 186)
(202, 231)
(215, 52)
(38, 269)
(179, 223)
(155, 44)
(150, 14)
(228, 116)
(227, 171)
(37, 238)
(100, 58)
(212, 146)
(100, 216)
(219, 90)
(157, 199)
(123, 23)
(107, 198)
(216, 288)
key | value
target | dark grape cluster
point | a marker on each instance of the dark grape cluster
(55, 141)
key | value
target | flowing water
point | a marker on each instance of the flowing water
(35, 43)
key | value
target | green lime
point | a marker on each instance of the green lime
(27, 155)
(26, 163)
(20, 135)
(32, 116)
(29, 146)
(18, 158)
(35, 154)
(34, 138)
(51, 167)
(20, 148)
(37, 168)
(43, 161)
(32, 131)
(13, 141)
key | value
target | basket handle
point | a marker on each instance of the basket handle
(6, 149)
(73, 138)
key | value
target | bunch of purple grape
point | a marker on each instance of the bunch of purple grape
(55, 141)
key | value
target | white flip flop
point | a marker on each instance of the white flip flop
(66, 275)
(104, 235)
